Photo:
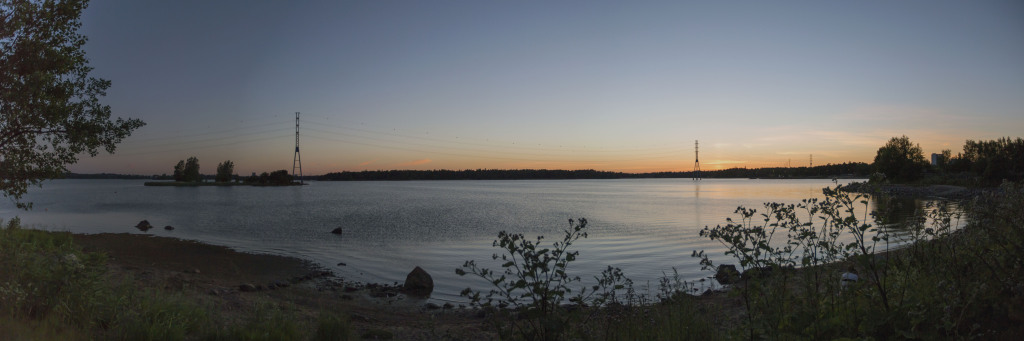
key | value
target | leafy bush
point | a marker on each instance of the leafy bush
(535, 283)
(946, 283)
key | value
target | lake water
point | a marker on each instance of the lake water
(644, 226)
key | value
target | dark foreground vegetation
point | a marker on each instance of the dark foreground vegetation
(947, 283)
(51, 290)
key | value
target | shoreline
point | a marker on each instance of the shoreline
(948, 192)
(218, 276)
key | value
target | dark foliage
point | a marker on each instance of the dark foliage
(275, 178)
(900, 160)
(224, 171)
(50, 112)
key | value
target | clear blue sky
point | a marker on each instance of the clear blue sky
(624, 86)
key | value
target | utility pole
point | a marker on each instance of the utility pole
(297, 160)
(696, 161)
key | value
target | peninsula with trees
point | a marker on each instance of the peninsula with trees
(186, 174)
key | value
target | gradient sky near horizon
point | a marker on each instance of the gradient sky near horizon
(608, 85)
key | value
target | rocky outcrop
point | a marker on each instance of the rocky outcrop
(418, 283)
(144, 225)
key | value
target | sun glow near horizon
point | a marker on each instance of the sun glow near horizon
(608, 85)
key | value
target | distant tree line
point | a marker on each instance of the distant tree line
(857, 169)
(470, 174)
(981, 163)
(992, 161)
(107, 176)
(846, 169)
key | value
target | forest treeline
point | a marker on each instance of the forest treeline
(851, 169)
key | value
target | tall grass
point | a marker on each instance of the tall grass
(50, 289)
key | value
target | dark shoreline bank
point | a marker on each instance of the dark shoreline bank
(948, 192)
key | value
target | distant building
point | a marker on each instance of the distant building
(936, 158)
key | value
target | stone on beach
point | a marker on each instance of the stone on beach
(727, 274)
(418, 283)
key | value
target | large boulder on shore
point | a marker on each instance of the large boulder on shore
(418, 283)
(727, 274)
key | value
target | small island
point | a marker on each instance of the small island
(186, 174)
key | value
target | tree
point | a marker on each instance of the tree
(49, 105)
(179, 171)
(944, 160)
(191, 172)
(900, 159)
(996, 160)
(224, 171)
(276, 178)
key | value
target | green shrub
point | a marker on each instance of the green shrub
(535, 283)
(946, 283)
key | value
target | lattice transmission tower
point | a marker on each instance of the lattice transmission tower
(297, 160)
(696, 160)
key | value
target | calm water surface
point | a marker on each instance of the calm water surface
(644, 226)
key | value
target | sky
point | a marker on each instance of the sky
(609, 85)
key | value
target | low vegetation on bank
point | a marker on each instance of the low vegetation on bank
(51, 290)
(940, 282)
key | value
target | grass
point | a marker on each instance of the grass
(50, 289)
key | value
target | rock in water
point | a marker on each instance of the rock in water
(337, 231)
(168, 227)
(727, 274)
(418, 283)
(144, 225)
